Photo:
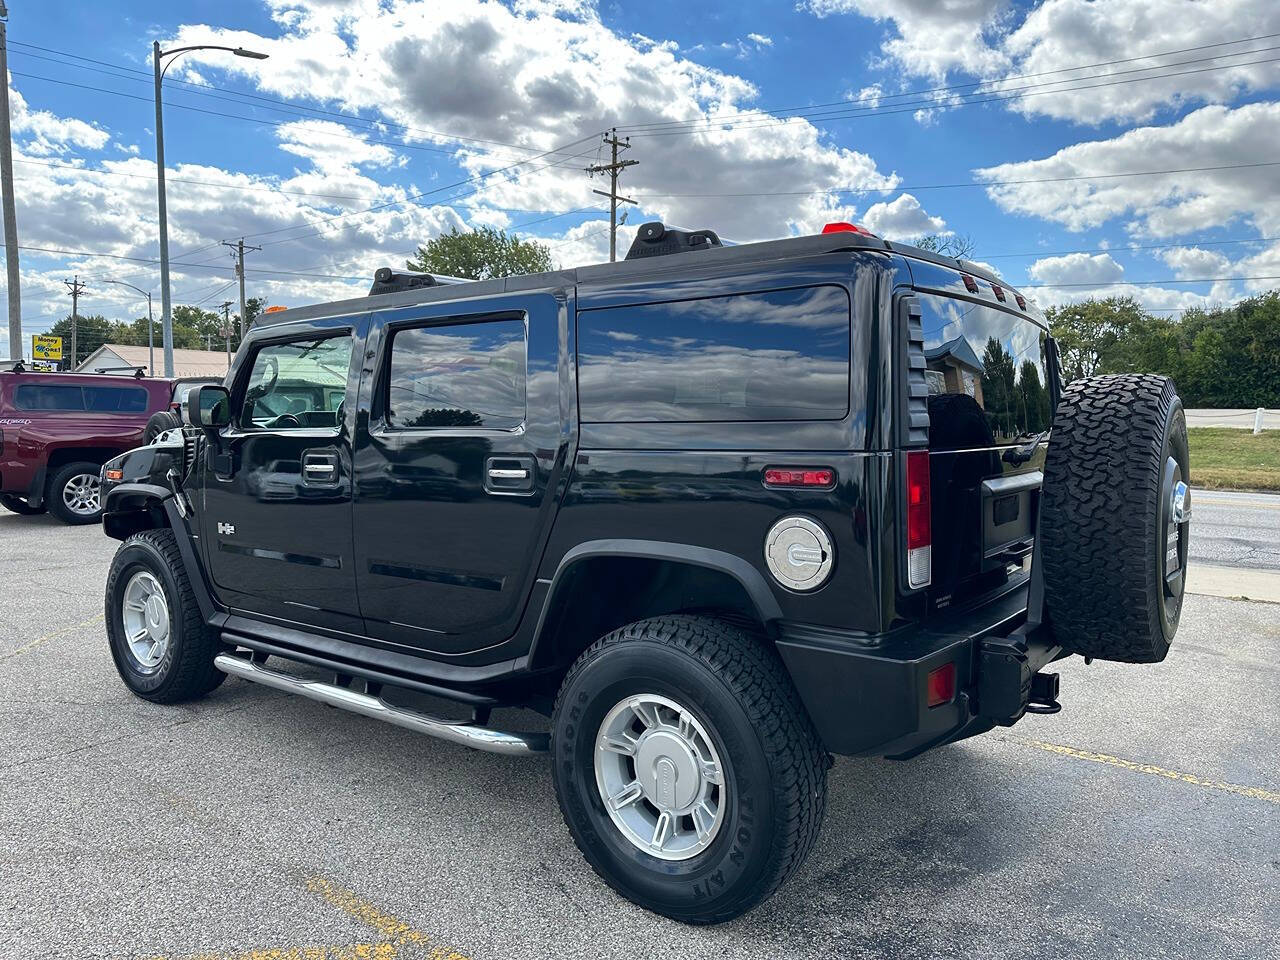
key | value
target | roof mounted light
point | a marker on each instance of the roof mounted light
(840, 226)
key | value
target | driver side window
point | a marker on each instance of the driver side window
(296, 385)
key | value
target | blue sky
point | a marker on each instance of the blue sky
(396, 104)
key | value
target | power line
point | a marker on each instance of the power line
(808, 110)
(614, 169)
(1142, 283)
(1145, 246)
(777, 111)
(203, 89)
(752, 121)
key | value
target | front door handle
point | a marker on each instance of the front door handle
(320, 468)
(498, 473)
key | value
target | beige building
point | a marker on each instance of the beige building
(186, 363)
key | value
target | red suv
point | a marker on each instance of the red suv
(58, 429)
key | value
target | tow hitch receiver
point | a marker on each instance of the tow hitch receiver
(1008, 682)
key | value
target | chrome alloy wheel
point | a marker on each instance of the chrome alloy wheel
(659, 777)
(145, 617)
(81, 494)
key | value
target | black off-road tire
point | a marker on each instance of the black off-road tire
(186, 671)
(160, 422)
(774, 763)
(15, 504)
(58, 482)
(1105, 515)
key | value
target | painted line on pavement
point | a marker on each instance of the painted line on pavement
(1253, 793)
(32, 644)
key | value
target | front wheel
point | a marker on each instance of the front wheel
(686, 768)
(162, 648)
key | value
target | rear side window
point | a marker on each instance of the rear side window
(458, 375)
(779, 355)
(115, 399)
(994, 358)
(40, 396)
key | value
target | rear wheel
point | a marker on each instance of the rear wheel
(687, 770)
(75, 493)
(1115, 517)
(15, 504)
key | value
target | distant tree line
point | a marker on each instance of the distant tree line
(1223, 357)
(193, 328)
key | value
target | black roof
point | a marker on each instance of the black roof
(763, 251)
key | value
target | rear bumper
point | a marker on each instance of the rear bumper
(867, 695)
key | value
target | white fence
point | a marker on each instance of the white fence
(1256, 420)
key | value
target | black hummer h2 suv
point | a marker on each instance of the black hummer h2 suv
(719, 511)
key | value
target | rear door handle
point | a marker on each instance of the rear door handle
(510, 475)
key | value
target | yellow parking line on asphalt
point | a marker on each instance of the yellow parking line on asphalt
(51, 636)
(398, 932)
(352, 951)
(1254, 793)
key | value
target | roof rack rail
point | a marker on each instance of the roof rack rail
(656, 239)
(386, 280)
(136, 368)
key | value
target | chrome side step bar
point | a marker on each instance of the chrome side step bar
(344, 698)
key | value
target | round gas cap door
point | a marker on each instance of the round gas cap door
(799, 553)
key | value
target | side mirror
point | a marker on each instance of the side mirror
(209, 406)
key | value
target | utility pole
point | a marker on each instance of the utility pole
(226, 328)
(237, 251)
(76, 288)
(614, 167)
(10, 216)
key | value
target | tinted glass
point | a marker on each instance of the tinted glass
(782, 355)
(459, 375)
(297, 385)
(994, 359)
(40, 396)
(115, 399)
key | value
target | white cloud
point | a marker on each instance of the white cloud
(541, 76)
(1067, 33)
(1190, 263)
(42, 133)
(1100, 268)
(932, 37)
(1157, 206)
(760, 40)
(902, 219)
(1039, 55)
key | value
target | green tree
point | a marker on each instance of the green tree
(91, 333)
(1089, 334)
(480, 255)
(253, 308)
(999, 396)
(1034, 397)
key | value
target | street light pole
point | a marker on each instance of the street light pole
(166, 312)
(151, 326)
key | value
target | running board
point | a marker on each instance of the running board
(344, 698)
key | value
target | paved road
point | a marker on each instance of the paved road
(1235, 529)
(1240, 419)
(1143, 821)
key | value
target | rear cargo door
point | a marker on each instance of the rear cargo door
(988, 399)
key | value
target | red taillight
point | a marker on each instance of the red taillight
(998, 291)
(799, 477)
(919, 527)
(841, 226)
(1022, 301)
(970, 284)
(942, 685)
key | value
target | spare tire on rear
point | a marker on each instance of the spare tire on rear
(160, 422)
(1114, 521)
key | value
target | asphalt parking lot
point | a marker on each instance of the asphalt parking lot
(1143, 821)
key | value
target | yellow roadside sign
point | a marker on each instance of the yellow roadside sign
(46, 347)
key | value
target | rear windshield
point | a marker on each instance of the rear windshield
(73, 397)
(994, 358)
(777, 355)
